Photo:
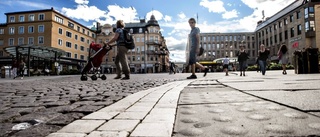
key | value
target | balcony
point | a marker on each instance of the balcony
(153, 42)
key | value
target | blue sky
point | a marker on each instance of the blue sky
(172, 15)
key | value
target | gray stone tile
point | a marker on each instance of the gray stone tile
(108, 134)
(153, 130)
(119, 125)
(82, 126)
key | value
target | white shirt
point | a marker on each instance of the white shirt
(226, 61)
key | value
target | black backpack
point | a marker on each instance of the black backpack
(128, 40)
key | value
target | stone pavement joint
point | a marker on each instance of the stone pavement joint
(146, 113)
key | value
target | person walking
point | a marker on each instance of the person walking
(242, 59)
(194, 39)
(283, 58)
(263, 55)
(121, 57)
(14, 68)
(172, 68)
(22, 66)
(226, 62)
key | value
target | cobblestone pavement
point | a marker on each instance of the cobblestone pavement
(53, 102)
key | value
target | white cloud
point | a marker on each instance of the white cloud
(82, 1)
(181, 15)
(167, 18)
(84, 12)
(157, 14)
(230, 14)
(215, 6)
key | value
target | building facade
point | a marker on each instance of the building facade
(294, 26)
(219, 45)
(47, 28)
(150, 55)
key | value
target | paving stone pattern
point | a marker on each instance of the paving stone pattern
(60, 101)
(207, 108)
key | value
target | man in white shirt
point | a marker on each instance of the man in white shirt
(226, 62)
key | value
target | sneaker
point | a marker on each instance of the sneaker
(125, 78)
(192, 77)
(205, 72)
(240, 74)
(117, 77)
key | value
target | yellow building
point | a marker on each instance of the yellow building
(46, 28)
(151, 52)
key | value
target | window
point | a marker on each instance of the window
(1, 31)
(78, 28)
(11, 19)
(285, 21)
(11, 41)
(275, 26)
(75, 46)
(11, 30)
(70, 24)
(21, 18)
(30, 29)
(40, 40)
(299, 29)
(81, 48)
(76, 37)
(41, 16)
(292, 32)
(81, 57)
(285, 34)
(31, 17)
(312, 26)
(60, 42)
(21, 30)
(275, 39)
(140, 30)
(41, 28)
(75, 56)
(88, 42)
(68, 44)
(280, 24)
(68, 34)
(68, 54)
(298, 14)
(30, 40)
(60, 31)
(20, 41)
(58, 19)
(82, 39)
(83, 31)
(1, 53)
(291, 18)
(280, 36)
(88, 33)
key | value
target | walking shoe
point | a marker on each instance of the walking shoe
(240, 74)
(205, 71)
(192, 77)
(125, 78)
(117, 77)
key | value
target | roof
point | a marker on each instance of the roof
(35, 50)
(280, 14)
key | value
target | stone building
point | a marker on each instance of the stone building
(150, 55)
(295, 26)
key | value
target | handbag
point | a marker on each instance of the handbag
(201, 50)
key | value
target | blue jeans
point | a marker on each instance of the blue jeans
(263, 66)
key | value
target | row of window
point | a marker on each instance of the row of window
(275, 37)
(222, 46)
(31, 17)
(69, 35)
(69, 45)
(225, 38)
(21, 29)
(21, 41)
(71, 25)
(75, 56)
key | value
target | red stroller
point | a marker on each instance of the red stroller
(94, 62)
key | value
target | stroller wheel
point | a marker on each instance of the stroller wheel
(94, 77)
(103, 77)
(83, 78)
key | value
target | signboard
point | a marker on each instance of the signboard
(295, 45)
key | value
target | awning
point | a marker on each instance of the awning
(36, 51)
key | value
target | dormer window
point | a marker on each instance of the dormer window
(131, 30)
(140, 30)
